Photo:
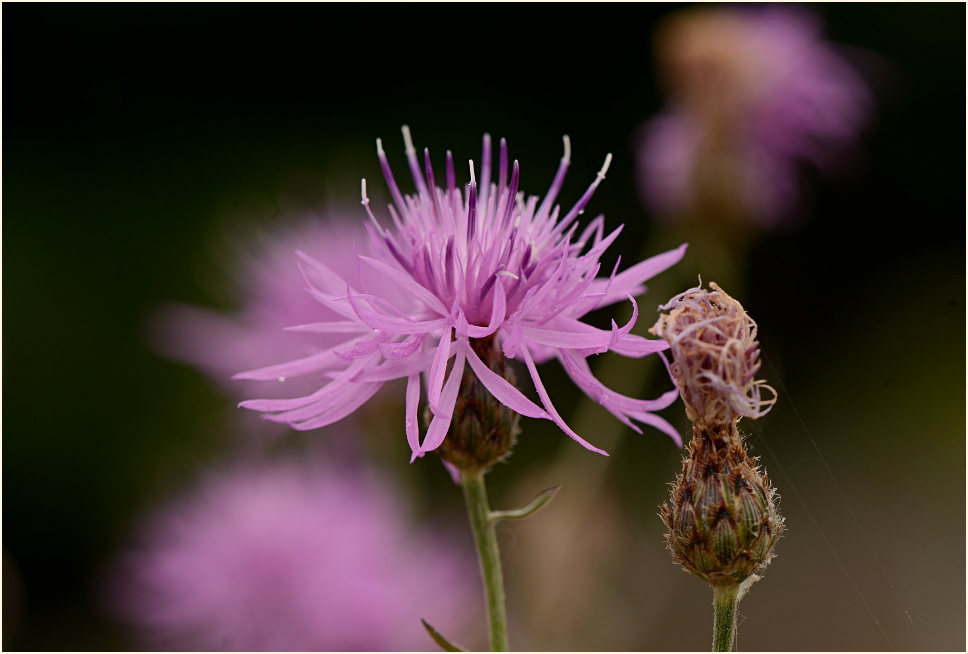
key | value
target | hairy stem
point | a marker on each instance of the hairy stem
(485, 536)
(724, 617)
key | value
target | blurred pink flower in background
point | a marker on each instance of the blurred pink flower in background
(755, 93)
(271, 295)
(287, 556)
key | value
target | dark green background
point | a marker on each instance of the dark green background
(134, 133)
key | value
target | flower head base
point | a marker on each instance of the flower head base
(483, 430)
(715, 356)
(722, 517)
(483, 262)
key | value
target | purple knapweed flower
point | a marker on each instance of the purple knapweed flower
(483, 263)
(754, 94)
(288, 556)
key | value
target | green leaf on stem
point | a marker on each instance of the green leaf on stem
(445, 644)
(525, 510)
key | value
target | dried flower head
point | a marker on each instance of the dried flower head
(483, 262)
(715, 356)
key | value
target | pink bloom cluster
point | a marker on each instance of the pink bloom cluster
(287, 556)
(485, 261)
(755, 92)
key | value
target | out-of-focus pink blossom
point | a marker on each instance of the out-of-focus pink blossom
(755, 93)
(270, 295)
(483, 262)
(287, 556)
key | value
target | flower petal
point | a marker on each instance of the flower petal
(567, 339)
(397, 368)
(336, 303)
(312, 363)
(580, 372)
(631, 279)
(330, 327)
(445, 413)
(410, 422)
(645, 270)
(318, 275)
(351, 397)
(330, 395)
(621, 406)
(435, 381)
(407, 283)
(549, 407)
(391, 324)
(584, 336)
(659, 423)
(498, 314)
(404, 349)
(635, 346)
(500, 388)
(269, 405)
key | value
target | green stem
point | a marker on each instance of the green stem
(475, 497)
(724, 617)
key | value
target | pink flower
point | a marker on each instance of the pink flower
(755, 93)
(486, 263)
(290, 556)
(267, 287)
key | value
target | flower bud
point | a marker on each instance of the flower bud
(483, 430)
(722, 517)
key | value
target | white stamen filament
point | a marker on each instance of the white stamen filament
(608, 162)
(507, 273)
(470, 164)
(567, 156)
(366, 204)
(408, 141)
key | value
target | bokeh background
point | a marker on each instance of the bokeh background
(137, 136)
